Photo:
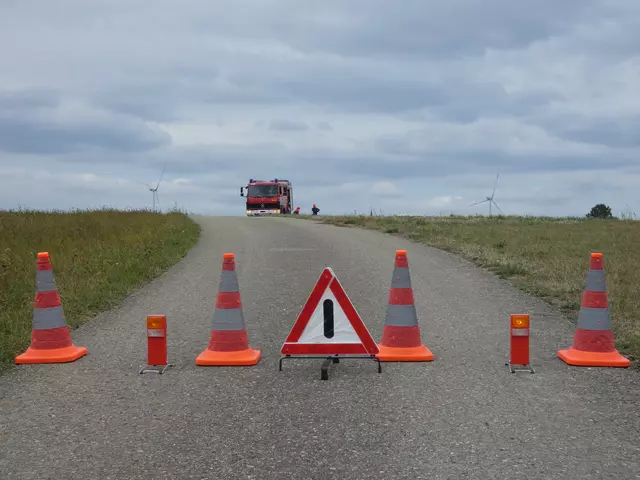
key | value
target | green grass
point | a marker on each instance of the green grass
(547, 257)
(99, 257)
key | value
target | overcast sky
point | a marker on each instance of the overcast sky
(403, 107)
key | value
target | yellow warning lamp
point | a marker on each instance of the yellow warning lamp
(156, 325)
(155, 321)
(519, 321)
(520, 325)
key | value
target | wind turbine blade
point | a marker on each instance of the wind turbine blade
(158, 198)
(495, 185)
(161, 175)
(497, 207)
(481, 201)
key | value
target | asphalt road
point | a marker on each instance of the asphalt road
(463, 416)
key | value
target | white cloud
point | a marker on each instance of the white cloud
(443, 201)
(384, 189)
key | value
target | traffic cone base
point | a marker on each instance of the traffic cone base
(579, 358)
(411, 354)
(229, 359)
(59, 355)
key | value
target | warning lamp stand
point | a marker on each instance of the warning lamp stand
(519, 352)
(159, 369)
(156, 345)
(324, 369)
(528, 368)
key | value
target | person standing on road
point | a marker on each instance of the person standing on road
(296, 211)
(315, 209)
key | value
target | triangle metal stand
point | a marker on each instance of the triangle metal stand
(330, 359)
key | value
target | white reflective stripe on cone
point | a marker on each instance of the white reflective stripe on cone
(155, 332)
(520, 332)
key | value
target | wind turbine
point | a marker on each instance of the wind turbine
(490, 199)
(154, 191)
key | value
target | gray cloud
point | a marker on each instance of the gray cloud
(288, 126)
(35, 121)
(622, 131)
(356, 103)
(164, 100)
(420, 29)
(20, 99)
(194, 160)
(613, 132)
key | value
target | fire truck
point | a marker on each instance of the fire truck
(273, 197)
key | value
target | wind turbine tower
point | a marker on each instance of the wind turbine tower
(154, 191)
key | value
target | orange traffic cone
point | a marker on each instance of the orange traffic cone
(593, 343)
(228, 345)
(401, 334)
(50, 337)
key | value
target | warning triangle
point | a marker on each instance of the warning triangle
(329, 324)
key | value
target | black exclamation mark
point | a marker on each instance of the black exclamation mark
(327, 307)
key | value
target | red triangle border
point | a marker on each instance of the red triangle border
(329, 280)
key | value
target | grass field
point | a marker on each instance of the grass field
(98, 257)
(547, 257)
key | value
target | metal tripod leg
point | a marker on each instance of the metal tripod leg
(528, 368)
(159, 369)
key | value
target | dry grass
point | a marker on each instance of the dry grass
(547, 257)
(98, 257)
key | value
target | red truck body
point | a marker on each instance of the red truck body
(273, 197)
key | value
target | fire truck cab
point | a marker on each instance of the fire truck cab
(272, 197)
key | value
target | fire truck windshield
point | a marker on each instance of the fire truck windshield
(262, 191)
